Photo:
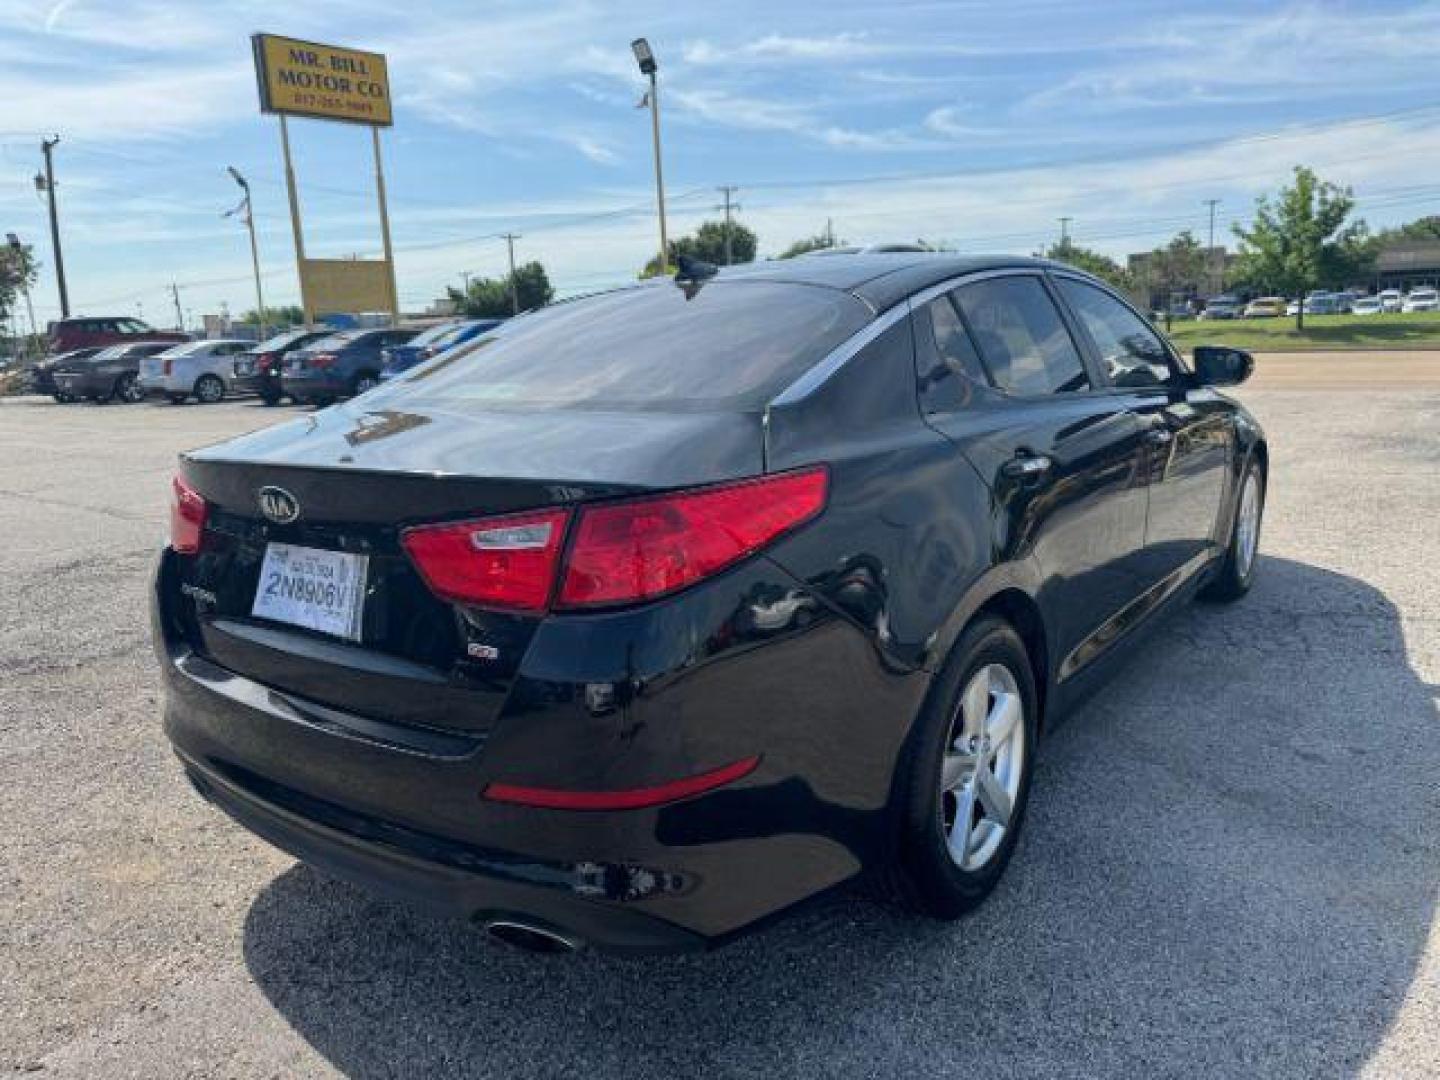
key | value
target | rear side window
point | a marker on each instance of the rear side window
(728, 344)
(1020, 334)
(948, 381)
(1130, 352)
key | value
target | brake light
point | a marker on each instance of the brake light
(167, 366)
(323, 360)
(503, 562)
(637, 550)
(187, 517)
(622, 552)
(263, 361)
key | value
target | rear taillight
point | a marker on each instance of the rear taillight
(637, 550)
(503, 562)
(321, 361)
(621, 553)
(187, 517)
(167, 366)
(263, 361)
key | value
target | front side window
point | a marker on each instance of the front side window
(1021, 336)
(1130, 352)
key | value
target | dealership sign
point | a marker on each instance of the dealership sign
(303, 78)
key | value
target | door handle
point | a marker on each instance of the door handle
(1159, 436)
(1026, 467)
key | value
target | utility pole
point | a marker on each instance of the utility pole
(1210, 252)
(728, 190)
(645, 57)
(47, 146)
(1065, 230)
(829, 232)
(179, 315)
(510, 239)
(249, 212)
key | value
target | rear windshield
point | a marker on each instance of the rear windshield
(729, 345)
(279, 341)
(338, 340)
(435, 333)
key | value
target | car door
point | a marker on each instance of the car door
(1008, 384)
(1188, 435)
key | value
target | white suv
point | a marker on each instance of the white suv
(1422, 300)
(201, 368)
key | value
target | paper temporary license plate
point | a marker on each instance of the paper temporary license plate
(319, 590)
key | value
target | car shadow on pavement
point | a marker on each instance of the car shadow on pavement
(1230, 867)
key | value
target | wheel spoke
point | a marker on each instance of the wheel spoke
(975, 705)
(993, 797)
(959, 839)
(1001, 723)
(955, 769)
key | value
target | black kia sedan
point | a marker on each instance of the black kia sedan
(681, 603)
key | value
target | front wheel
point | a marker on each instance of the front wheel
(965, 779)
(1237, 571)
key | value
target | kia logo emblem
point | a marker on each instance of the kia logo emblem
(278, 505)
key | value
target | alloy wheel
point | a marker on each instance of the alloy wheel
(1247, 524)
(209, 389)
(129, 391)
(982, 768)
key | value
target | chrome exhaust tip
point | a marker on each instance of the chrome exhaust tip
(529, 937)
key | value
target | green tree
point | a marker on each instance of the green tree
(708, 245)
(18, 272)
(1300, 240)
(1092, 262)
(818, 242)
(489, 298)
(1181, 265)
(275, 317)
(1425, 228)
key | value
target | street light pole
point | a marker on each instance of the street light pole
(510, 239)
(254, 249)
(645, 57)
(1210, 255)
(47, 146)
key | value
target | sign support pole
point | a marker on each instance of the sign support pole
(385, 228)
(295, 219)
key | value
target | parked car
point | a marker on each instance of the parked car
(1265, 307)
(433, 342)
(78, 333)
(258, 370)
(1391, 300)
(205, 369)
(1425, 299)
(111, 374)
(340, 365)
(1365, 305)
(1322, 304)
(42, 375)
(1222, 307)
(523, 638)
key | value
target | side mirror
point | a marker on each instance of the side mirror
(1219, 365)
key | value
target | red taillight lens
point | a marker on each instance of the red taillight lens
(167, 366)
(625, 798)
(503, 562)
(321, 361)
(187, 517)
(263, 361)
(624, 552)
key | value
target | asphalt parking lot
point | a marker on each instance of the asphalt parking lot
(1230, 868)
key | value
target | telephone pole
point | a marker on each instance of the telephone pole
(728, 191)
(1065, 230)
(179, 315)
(510, 239)
(47, 184)
(1210, 253)
(249, 212)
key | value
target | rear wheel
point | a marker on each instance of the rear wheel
(1237, 571)
(128, 388)
(209, 389)
(965, 779)
(366, 380)
(269, 398)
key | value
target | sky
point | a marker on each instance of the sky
(974, 124)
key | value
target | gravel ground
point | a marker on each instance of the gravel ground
(1230, 868)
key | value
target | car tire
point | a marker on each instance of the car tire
(363, 381)
(270, 400)
(209, 389)
(1237, 569)
(128, 389)
(981, 717)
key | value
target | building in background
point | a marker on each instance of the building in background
(1407, 263)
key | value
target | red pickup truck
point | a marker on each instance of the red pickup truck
(85, 331)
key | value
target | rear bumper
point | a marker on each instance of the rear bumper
(84, 384)
(398, 808)
(266, 384)
(308, 387)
